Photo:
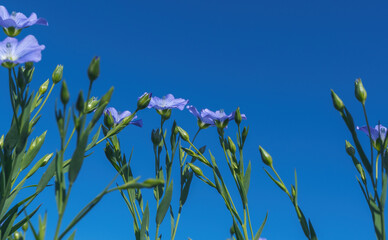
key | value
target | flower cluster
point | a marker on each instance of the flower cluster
(12, 51)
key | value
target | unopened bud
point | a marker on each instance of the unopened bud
(349, 148)
(151, 182)
(25, 227)
(196, 169)
(80, 105)
(20, 78)
(360, 91)
(65, 96)
(237, 116)
(184, 135)
(155, 137)
(57, 74)
(337, 102)
(244, 134)
(92, 104)
(43, 87)
(94, 69)
(46, 159)
(265, 157)
(144, 100)
(17, 235)
(108, 120)
(232, 146)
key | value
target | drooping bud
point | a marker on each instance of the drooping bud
(360, 91)
(237, 116)
(349, 148)
(143, 100)
(337, 102)
(94, 69)
(43, 87)
(65, 96)
(57, 74)
(92, 104)
(80, 105)
(108, 120)
(184, 135)
(232, 146)
(265, 157)
(196, 170)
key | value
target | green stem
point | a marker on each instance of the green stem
(177, 222)
(60, 217)
(157, 232)
(370, 141)
(244, 226)
(12, 102)
(68, 141)
(250, 223)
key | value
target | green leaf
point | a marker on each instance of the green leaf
(144, 223)
(46, 177)
(33, 151)
(94, 139)
(247, 178)
(72, 236)
(237, 231)
(258, 233)
(312, 231)
(164, 205)
(23, 221)
(78, 157)
(280, 185)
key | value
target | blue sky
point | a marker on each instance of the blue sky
(277, 60)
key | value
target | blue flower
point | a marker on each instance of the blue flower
(13, 52)
(218, 118)
(13, 23)
(379, 132)
(167, 102)
(118, 117)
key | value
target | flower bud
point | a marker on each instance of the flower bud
(361, 171)
(57, 74)
(337, 102)
(244, 134)
(349, 148)
(143, 100)
(25, 227)
(65, 96)
(92, 104)
(151, 182)
(29, 65)
(43, 87)
(360, 91)
(237, 116)
(20, 78)
(155, 137)
(184, 134)
(46, 160)
(94, 69)
(80, 105)
(17, 235)
(196, 170)
(232, 146)
(267, 159)
(108, 120)
(2, 141)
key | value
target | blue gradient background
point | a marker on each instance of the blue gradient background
(277, 60)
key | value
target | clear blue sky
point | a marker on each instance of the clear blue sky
(277, 60)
